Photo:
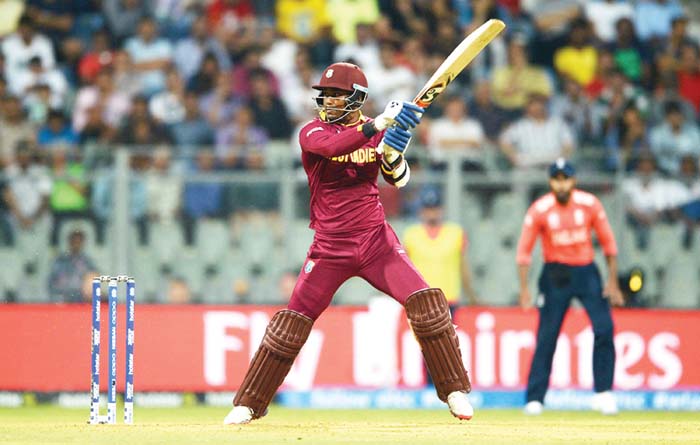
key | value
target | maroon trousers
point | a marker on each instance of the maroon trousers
(375, 255)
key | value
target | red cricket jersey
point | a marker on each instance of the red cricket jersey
(342, 166)
(566, 230)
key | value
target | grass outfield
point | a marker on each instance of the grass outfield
(52, 425)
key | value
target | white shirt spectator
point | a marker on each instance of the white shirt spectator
(167, 107)
(366, 55)
(29, 187)
(647, 195)
(670, 146)
(25, 80)
(141, 51)
(394, 83)
(604, 14)
(114, 107)
(465, 135)
(538, 142)
(18, 53)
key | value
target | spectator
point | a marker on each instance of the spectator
(167, 107)
(577, 110)
(20, 47)
(229, 13)
(163, 188)
(97, 58)
(237, 140)
(364, 50)
(577, 59)
(439, 251)
(552, 21)
(194, 130)
(102, 199)
(513, 83)
(626, 140)
(204, 80)
(673, 139)
(653, 19)
(605, 16)
(390, 80)
(69, 270)
(35, 75)
(28, 188)
(346, 14)
(689, 208)
(112, 103)
(57, 132)
(645, 199)
(295, 91)
(126, 79)
(631, 57)
(140, 126)
(482, 107)
(269, 111)
(670, 53)
(616, 96)
(150, 54)
(123, 16)
(242, 73)
(37, 104)
(69, 194)
(178, 291)
(689, 75)
(201, 198)
(537, 139)
(7, 235)
(14, 128)
(55, 19)
(95, 130)
(190, 52)
(301, 21)
(456, 132)
(495, 53)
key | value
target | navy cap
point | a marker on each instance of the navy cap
(430, 197)
(562, 166)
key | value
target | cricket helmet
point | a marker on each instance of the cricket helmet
(345, 77)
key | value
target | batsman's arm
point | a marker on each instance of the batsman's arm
(317, 139)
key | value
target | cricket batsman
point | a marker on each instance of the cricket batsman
(342, 154)
(564, 219)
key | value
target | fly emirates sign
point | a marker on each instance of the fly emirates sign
(373, 347)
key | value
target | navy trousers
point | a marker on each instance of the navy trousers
(559, 283)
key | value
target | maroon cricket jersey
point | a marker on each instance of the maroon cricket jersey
(342, 167)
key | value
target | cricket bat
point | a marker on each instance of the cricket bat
(458, 59)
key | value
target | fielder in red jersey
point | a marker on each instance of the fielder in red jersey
(564, 219)
(342, 154)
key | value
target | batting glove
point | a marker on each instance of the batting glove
(394, 143)
(406, 114)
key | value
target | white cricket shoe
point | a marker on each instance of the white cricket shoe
(239, 415)
(459, 405)
(605, 402)
(533, 408)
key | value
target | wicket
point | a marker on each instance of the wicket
(111, 417)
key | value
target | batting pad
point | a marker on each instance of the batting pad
(429, 316)
(284, 337)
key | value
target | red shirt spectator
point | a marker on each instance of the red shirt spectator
(220, 10)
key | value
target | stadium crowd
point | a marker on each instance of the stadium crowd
(202, 86)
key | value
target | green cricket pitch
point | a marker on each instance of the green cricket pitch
(193, 425)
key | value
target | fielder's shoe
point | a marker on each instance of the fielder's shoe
(605, 402)
(533, 408)
(239, 415)
(459, 405)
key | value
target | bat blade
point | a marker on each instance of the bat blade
(458, 59)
